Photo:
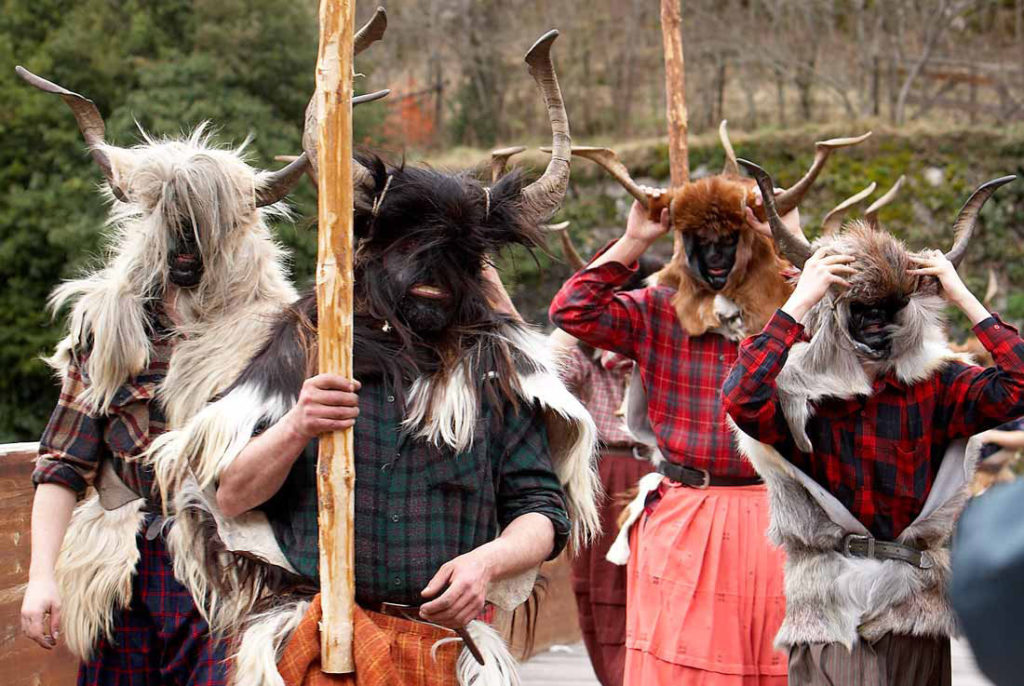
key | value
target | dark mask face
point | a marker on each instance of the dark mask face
(872, 325)
(184, 259)
(424, 303)
(712, 258)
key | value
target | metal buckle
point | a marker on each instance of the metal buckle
(850, 538)
(706, 481)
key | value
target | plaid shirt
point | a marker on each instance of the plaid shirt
(601, 388)
(682, 374)
(879, 454)
(418, 506)
(76, 439)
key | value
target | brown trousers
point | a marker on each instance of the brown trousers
(893, 660)
(600, 586)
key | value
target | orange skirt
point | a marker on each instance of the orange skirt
(705, 593)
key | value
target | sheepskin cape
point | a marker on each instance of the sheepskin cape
(235, 567)
(831, 598)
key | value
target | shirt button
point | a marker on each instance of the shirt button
(395, 518)
(397, 581)
(721, 358)
(391, 398)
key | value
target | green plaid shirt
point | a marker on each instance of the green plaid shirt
(418, 506)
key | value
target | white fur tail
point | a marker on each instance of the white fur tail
(618, 553)
(255, 661)
(499, 668)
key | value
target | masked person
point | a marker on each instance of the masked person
(473, 463)
(598, 378)
(855, 410)
(705, 586)
(152, 335)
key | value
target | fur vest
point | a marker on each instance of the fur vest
(831, 598)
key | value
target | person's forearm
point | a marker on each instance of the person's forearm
(260, 469)
(625, 251)
(525, 543)
(1013, 440)
(971, 306)
(51, 513)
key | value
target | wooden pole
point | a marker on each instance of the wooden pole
(675, 91)
(675, 97)
(335, 470)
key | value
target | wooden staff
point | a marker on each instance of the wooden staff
(335, 470)
(675, 97)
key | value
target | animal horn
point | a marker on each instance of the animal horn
(572, 256)
(966, 221)
(544, 196)
(833, 221)
(992, 290)
(90, 122)
(791, 246)
(371, 32)
(500, 158)
(793, 196)
(871, 214)
(731, 167)
(309, 136)
(274, 186)
(610, 162)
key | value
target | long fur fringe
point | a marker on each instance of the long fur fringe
(254, 662)
(499, 668)
(94, 571)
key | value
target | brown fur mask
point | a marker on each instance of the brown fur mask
(713, 206)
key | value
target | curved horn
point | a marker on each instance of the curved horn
(966, 221)
(833, 221)
(371, 32)
(90, 122)
(359, 173)
(790, 198)
(871, 214)
(610, 162)
(794, 248)
(500, 158)
(542, 197)
(274, 186)
(572, 256)
(730, 167)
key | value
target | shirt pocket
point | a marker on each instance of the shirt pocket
(449, 472)
(128, 429)
(909, 457)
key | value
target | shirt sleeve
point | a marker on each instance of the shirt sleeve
(574, 371)
(750, 394)
(589, 308)
(979, 398)
(526, 479)
(71, 446)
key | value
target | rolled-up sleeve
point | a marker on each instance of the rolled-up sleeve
(71, 446)
(527, 481)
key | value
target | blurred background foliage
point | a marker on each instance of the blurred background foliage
(247, 66)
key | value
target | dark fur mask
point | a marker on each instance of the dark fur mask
(420, 256)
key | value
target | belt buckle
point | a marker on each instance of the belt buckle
(868, 540)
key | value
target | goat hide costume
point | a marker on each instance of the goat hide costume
(424, 332)
(185, 214)
(833, 595)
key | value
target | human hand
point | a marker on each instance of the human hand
(327, 402)
(40, 612)
(466, 578)
(791, 219)
(820, 272)
(640, 228)
(934, 263)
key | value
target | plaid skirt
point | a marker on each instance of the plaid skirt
(159, 639)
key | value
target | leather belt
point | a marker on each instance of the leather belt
(702, 478)
(855, 545)
(636, 452)
(411, 613)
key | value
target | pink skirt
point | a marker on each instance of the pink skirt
(705, 593)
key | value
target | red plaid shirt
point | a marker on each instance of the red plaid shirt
(601, 388)
(683, 375)
(879, 454)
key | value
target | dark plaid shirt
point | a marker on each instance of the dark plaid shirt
(879, 454)
(418, 506)
(76, 439)
(682, 374)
